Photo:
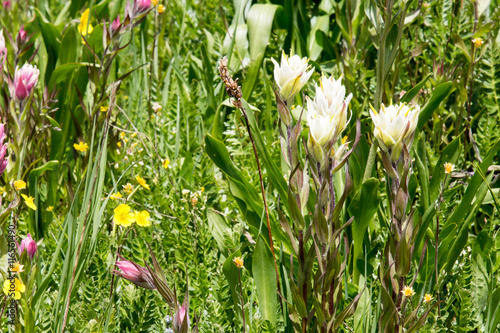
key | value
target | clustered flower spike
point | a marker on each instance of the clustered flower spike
(232, 88)
(29, 245)
(326, 115)
(394, 126)
(141, 6)
(291, 75)
(25, 79)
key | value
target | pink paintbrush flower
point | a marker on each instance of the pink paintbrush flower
(181, 318)
(29, 245)
(141, 6)
(135, 273)
(115, 25)
(22, 36)
(25, 80)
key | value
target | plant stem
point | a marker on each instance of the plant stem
(242, 302)
(243, 111)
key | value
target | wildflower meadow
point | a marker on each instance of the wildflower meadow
(249, 166)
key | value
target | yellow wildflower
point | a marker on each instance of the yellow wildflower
(154, 2)
(104, 108)
(117, 195)
(408, 291)
(478, 42)
(128, 188)
(202, 189)
(14, 289)
(161, 9)
(2, 190)
(134, 135)
(19, 185)
(29, 201)
(50, 208)
(344, 139)
(123, 216)
(17, 268)
(448, 167)
(166, 163)
(81, 146)
(238, 262)
(85, 27)
(142, 182)
(122, 135)
(428, 298)
(119, 144)
(142, 219)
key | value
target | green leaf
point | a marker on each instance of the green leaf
(459, 240)
(484, 29)
(458, 41)
(414, 91)
(219, 229)
(231, 272)
(61, 73)
(260, 20)
(265, 280)
(363, 207)
(438, 95)
(450, 154)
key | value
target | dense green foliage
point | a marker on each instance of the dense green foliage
(149, 102)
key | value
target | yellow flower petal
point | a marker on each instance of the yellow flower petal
(19, 185)
(29, 201)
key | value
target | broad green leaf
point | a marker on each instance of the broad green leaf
(363, 207)
(438, 95)
(61, 73)
(219, 229)
(231, 272)
(264, 276)
(260, 20)
(414, 91)
(315, 48)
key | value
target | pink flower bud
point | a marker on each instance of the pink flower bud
(135, 273)
(180, 323)
(29, 245)
(141, 6)
(115, 25)
(7, 5)
(25, 80)
(22, 36)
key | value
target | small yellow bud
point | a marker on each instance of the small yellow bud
(238, 262)
(408, 291)
(478, 42)
(448, 167)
